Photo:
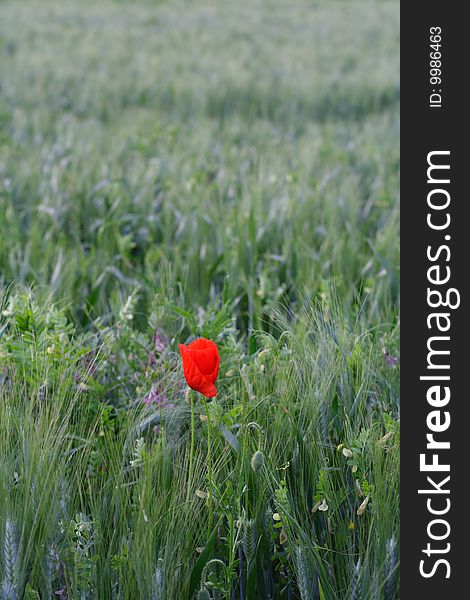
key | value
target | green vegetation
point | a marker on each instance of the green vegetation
(170, 170)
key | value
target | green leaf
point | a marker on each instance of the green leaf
(226, 290)
(195, 575)
(186, 315)
(252, 346)
(251, 582)
(231, 439)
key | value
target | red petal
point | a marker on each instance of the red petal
(196, 361)
(206, 356)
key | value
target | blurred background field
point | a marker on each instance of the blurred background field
(177, 169)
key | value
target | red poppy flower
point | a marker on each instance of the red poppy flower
(201, 366)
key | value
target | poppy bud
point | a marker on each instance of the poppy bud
(257, 461)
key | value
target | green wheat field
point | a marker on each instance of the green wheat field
(180, 169)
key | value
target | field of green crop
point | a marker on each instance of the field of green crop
(178, 169)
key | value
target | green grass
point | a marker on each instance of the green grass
(199, 168)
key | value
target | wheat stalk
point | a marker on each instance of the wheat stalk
(10, 557)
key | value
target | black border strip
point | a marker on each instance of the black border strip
(427, 128)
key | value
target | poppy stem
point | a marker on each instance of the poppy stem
(209, 463)
(191, 452)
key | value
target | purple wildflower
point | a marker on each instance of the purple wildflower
(160, 341)
(391, 361)
(62, 593)
(155, 396)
